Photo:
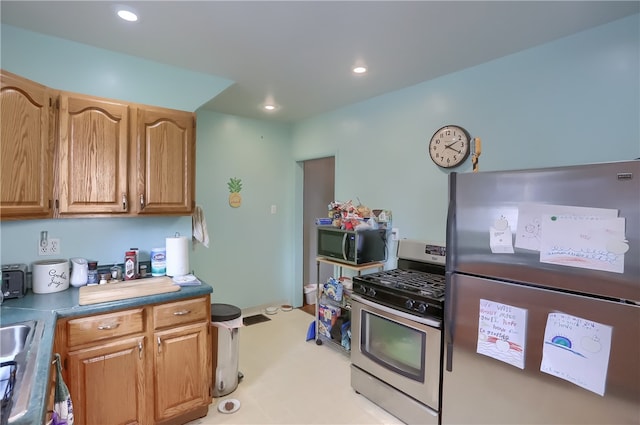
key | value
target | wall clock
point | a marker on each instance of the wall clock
(449, 146)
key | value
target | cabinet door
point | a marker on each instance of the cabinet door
(106, 383)
(27, 148)
(93, 155)
(166, 161)
(182, 366)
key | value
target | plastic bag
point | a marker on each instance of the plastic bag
(63, 407)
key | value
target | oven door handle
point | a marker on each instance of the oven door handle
(424, 320)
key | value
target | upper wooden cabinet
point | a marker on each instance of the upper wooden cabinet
(165, 156)
(72, 155)
(93, 156)
(27, 124)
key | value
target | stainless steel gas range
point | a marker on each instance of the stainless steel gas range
(397, 340)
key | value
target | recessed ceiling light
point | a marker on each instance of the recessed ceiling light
(359, 69)
(270, 107)
(127, 15)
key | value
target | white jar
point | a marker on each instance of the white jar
(50, 276)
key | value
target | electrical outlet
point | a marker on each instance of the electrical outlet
(395, 234)
(54, 246)
(49, 247)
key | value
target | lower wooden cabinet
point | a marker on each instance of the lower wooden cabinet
(106, 383)
(180, 384)
(149, 365)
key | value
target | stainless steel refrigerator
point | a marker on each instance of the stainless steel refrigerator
(542, 316)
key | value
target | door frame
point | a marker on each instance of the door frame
(296, 291)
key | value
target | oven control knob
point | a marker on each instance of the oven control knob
(422, 308)
(371, 292)
(362, 289)
(409, 304)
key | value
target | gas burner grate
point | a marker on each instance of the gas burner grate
(424, 283)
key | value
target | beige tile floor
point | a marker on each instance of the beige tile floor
(288, 380)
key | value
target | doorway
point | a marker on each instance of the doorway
(318, 193)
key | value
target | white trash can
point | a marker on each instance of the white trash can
(310, 290)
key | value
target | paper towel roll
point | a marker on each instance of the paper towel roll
(177, 256)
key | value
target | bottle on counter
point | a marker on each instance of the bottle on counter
(92, 272)
(116, 273)
(130, 265)
(136, 267)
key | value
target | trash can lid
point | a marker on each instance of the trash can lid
(224, 312)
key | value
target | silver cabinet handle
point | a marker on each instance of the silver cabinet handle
(159, 346)
(124, 201)
(140, 350)
(181, 312)
(108, 327)
(141, 201)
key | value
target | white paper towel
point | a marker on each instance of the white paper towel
(177, 256)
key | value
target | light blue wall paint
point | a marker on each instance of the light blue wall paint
(249, 259)
(573, 101)
(76, 67)
(551, 105)
(102, 239)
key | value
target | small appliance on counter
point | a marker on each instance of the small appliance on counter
(14, 280)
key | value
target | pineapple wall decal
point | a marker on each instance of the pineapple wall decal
(235, 186)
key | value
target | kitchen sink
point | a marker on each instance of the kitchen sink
(19, 344)
(13, 339)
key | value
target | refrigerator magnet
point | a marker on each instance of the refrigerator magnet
(501, 237)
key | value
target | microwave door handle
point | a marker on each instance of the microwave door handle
(344, 246)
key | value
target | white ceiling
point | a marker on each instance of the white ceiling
(299, 53)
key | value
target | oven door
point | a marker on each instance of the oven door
(398, 348)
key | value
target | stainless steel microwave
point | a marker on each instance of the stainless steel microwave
(352, 246)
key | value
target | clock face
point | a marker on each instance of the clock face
(449, 146)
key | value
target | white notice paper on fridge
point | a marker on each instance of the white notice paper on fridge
(585, 242)
(577, 350)
(502, 332)
(529, 232)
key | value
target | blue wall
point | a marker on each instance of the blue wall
(576, 100)
(573, 101)
(249, 256)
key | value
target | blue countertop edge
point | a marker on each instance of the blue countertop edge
(48, 308)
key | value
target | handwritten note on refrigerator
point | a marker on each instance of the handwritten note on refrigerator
(577, 350)
(529, 231)
(502, 332)
(583, 241)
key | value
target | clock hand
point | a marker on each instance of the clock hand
(449, 147)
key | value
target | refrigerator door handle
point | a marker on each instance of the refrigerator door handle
(449, 320)
(449, 293)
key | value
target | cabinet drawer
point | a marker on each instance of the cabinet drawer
(104, 326)
(177, 313)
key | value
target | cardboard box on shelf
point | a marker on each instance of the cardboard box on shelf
(328, 315)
